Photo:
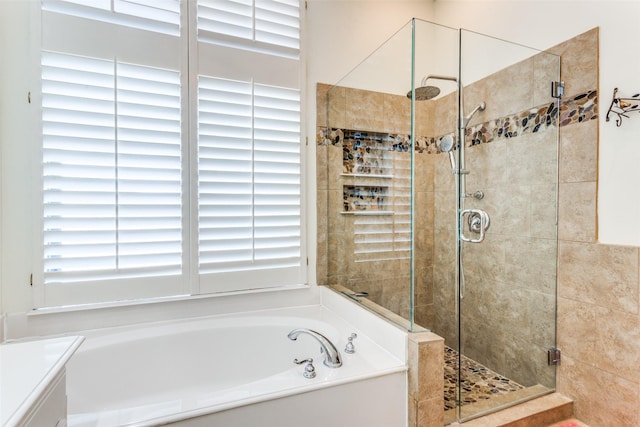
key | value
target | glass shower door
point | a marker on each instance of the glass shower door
(507, 234)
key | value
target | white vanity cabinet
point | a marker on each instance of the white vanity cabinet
(32, 382)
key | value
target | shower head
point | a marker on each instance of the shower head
(446, 144)
(479, 107)
(425, 92)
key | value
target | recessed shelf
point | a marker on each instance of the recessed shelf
(365, 175)
(370, 213)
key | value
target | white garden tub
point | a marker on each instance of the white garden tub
(234, 370)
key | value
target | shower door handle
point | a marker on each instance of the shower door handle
(478, 222)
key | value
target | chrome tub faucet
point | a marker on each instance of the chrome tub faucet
(331, 354)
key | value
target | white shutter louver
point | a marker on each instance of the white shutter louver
(112, 169)
(161, 16)
(249, 176)
(271, 26)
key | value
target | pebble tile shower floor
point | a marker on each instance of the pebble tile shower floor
(478, 382)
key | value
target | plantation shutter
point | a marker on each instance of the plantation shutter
(171, 155)
(111, 151)
(249, 151)
(271, 26)
(249, 181)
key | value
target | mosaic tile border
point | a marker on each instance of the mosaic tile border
(336, 137)
(572, 110)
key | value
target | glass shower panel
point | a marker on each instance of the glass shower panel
(507, 217)
(366, 139)
(436, 73)
(367, 178)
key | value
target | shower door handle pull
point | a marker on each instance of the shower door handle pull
(482, 227)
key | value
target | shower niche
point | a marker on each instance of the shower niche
(367, 171)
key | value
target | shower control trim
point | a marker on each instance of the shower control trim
(478, 221)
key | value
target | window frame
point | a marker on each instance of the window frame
(190, 283)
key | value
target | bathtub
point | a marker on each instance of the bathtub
(235, 370)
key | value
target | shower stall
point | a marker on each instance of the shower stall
(437, 190)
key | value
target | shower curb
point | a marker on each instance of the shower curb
(542, 411)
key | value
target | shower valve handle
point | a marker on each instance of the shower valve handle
(480, 223)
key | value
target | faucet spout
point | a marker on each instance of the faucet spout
(331, 354)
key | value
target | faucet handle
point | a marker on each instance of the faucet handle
(349, 348)
(309, 370)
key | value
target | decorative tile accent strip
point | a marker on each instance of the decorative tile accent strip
(530, 121)
(579, 108)
(576, 109)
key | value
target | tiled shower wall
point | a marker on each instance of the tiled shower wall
(508, 309)
(343, 257)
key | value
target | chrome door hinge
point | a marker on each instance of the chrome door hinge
(553, 356)
(557, 89)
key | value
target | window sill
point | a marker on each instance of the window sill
(73, 319)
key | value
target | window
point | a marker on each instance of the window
(166, 173)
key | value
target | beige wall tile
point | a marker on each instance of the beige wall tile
(618, 344)
(599, 274)
(424, 172)
(322, 237)
(397, 114)
(600, 398)
(334, 108)
(322, 176)
(444, 116)
(546, 69)
(501, 99)
(424, 210)
(443, 179)
(579, 61)
(426, 376)
(510, 209)
(579, 152)
(544, 211)
(364, 110)
(531, 263)
(577, 211)
(322, 104)
(487, 166)
(430, 413)
(532, 158)
(424, 118)
(576, 336)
